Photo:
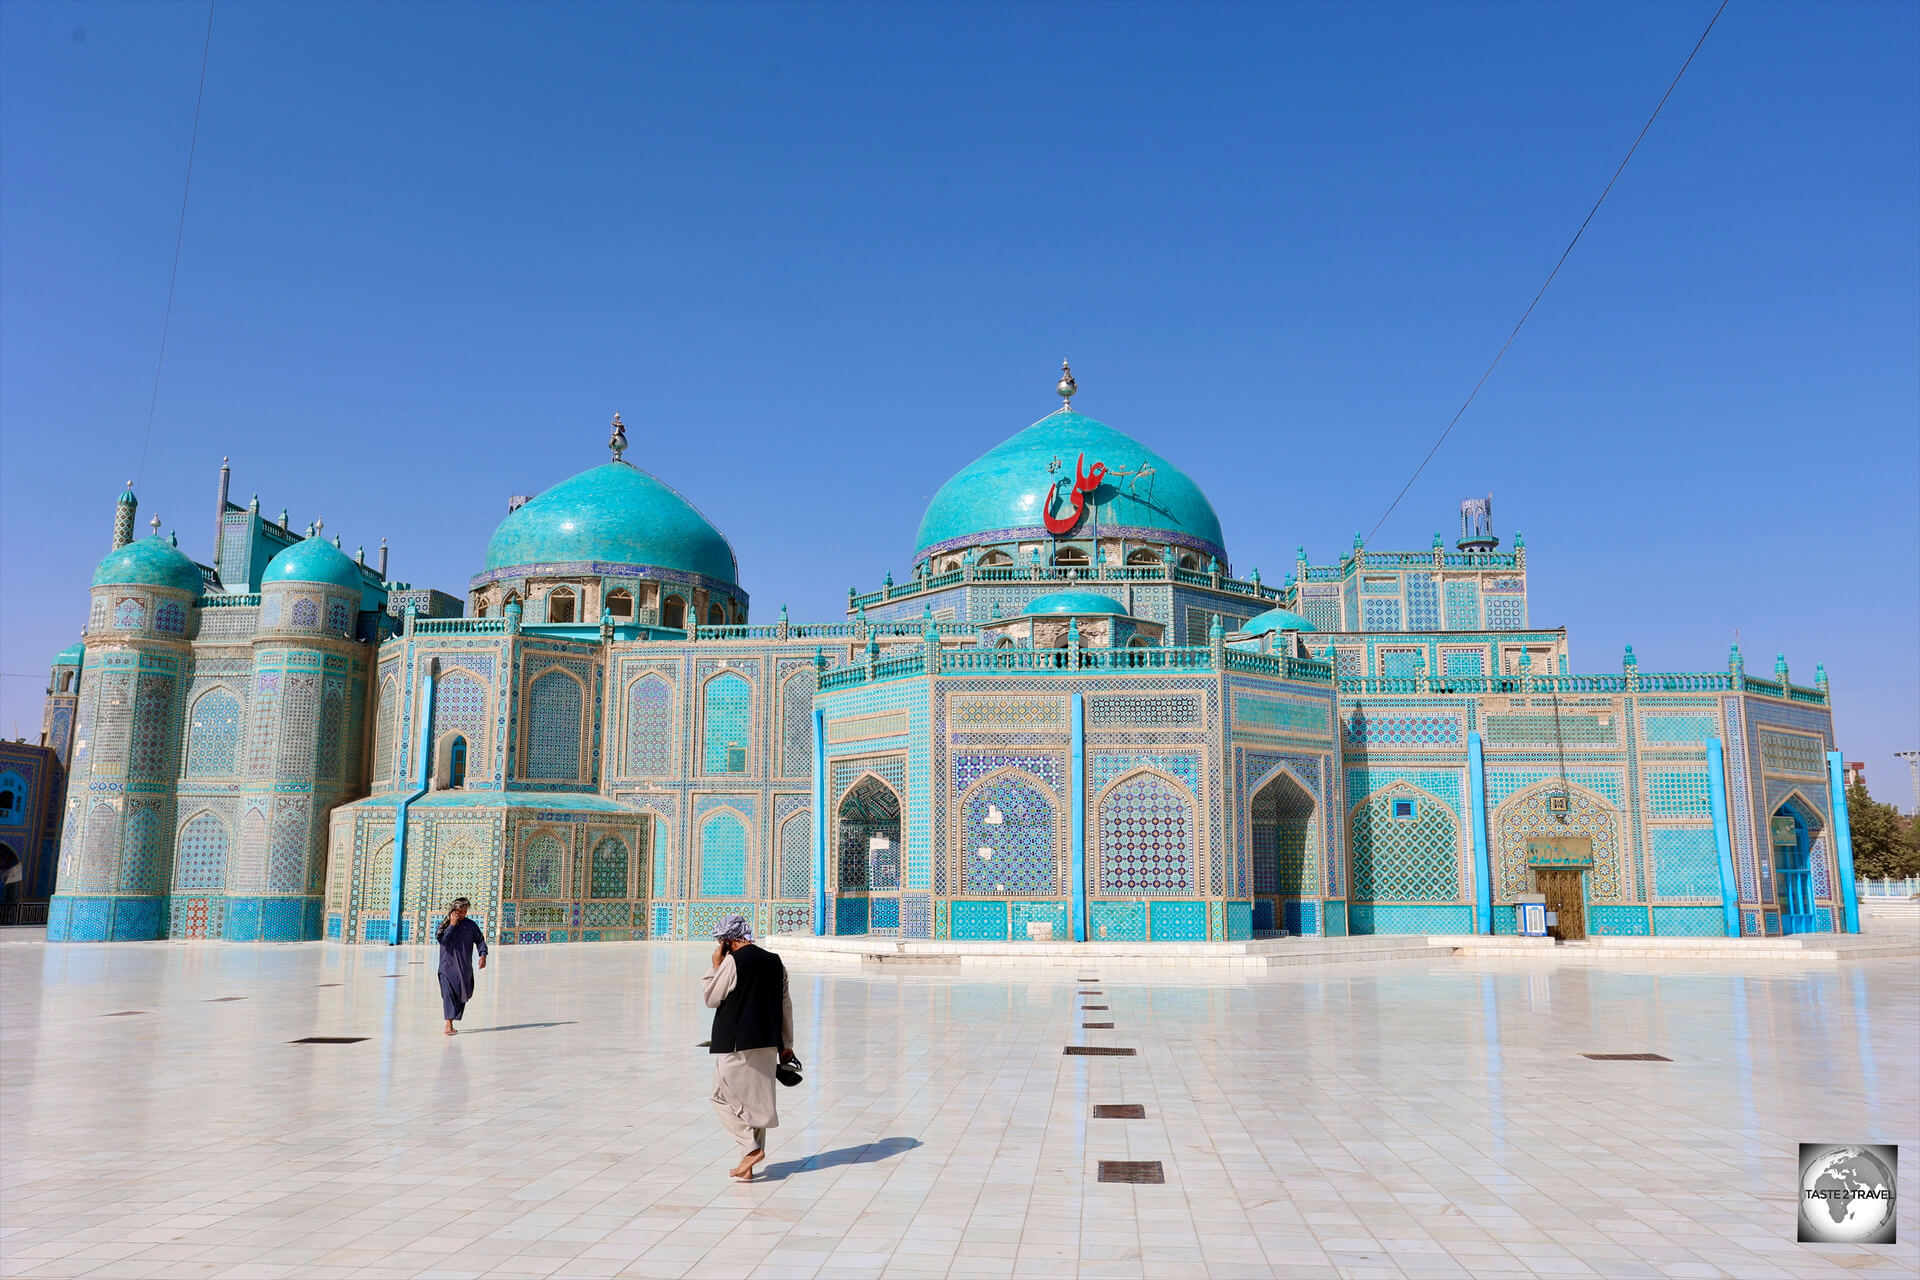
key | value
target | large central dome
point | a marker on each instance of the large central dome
(616, 514)
(1000, 496)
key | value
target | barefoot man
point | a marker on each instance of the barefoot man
(752, 1033)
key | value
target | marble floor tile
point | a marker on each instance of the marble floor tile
(1408, 1120)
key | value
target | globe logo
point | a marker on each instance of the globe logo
(1847, 1194)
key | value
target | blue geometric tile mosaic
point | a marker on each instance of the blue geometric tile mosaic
(979, 921)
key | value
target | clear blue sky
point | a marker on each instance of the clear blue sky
(821, 257)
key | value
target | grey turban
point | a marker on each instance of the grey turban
(734, 927)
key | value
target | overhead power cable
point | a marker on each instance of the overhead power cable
(179, 235)
(1461, 411)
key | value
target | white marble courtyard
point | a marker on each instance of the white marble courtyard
(1420, 1118)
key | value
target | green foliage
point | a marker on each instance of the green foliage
(1885, 844)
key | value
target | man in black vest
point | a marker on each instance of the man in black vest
(752, 1034)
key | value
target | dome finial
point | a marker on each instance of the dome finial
(154, 524)
(618, 441)
(1066, 386)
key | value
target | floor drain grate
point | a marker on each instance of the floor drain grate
(1096, 1026)
(223, 999)
(124, 1013)
(1626, 1057)
(1134, 1171)
(1096, 1051)
(1120, 1111)
(328, 1040)
(1090, 993)
(1085, 1007)
(330, 984)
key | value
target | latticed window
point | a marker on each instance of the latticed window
(213, 736)
(1146, 838)
(796, 856)
(609, 869)
(463, 705)
(386, 725)
(150, 724)
(202, 859)
(554, 706)
(649, 727)
(796, 725)
(560, 604)
(620, 605)
(540, 868)
(299, 727)
(723, 857)
(333, 711)
(726, 701)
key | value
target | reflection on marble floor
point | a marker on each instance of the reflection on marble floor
(1419, 1118)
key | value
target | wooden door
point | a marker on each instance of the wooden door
(1562, 890)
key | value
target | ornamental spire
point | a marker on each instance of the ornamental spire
(618, 441)
(1066, 386)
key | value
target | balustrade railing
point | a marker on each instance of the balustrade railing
(459, 626)
(1886, 887)
(221, 600)
(1067, 573)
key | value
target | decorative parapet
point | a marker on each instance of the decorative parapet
(457, 626)
(1642, 682)
(1104, 573)
(975, 661)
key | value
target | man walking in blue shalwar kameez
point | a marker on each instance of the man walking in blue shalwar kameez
(459, 938)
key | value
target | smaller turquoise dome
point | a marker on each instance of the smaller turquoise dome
(1062, 603)
(314, 560)
(1277, 620)
(150, 562)
(614, 515)
(71, 656)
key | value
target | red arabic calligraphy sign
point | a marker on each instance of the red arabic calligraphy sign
(1084, 483)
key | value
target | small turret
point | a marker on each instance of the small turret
(1476, 526)
(123, 513)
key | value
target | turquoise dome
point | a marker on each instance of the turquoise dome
(615, 515)
(314, 560)
(150, 562)
(1073, 602)
(998, 497)
(1276, 620)
(71, 656)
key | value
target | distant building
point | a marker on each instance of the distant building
(1074, 712)
(32, 782)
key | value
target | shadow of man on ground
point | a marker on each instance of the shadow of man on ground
(867, 1154)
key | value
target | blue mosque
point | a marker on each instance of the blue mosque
(1072, 716)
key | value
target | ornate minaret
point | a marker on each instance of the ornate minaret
(123, 513)
(1476, 525)
(303, 737)
(118, 842)
(63, 699)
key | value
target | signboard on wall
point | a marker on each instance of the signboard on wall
(1560, 851)
(1784, 831)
